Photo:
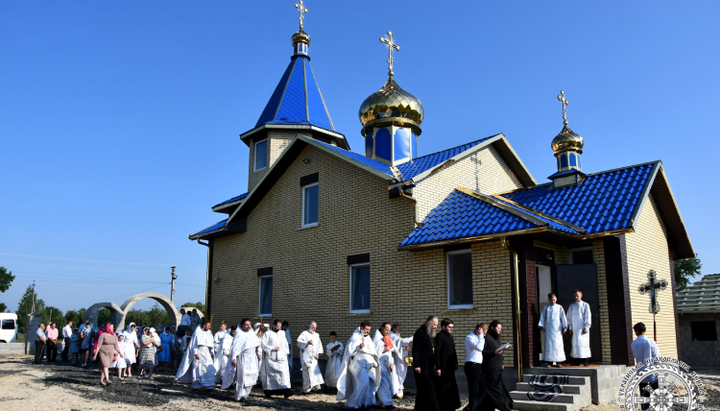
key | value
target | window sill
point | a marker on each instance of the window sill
(264, 315)
(307, 227)
(460, 310)
(359, 314)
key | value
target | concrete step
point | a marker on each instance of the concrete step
(569, 389)
(561, 398)
(573, 379)
(526, 405)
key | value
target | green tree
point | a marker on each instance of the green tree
(25, 307)
(200, 306)
(6, 279)
(685, 270)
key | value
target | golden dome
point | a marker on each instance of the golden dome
(392, 104)
(567, 140)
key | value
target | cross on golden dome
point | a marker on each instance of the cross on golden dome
(565, 102)
(301, 7)
(388, 40)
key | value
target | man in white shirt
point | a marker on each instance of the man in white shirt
(477, 385)
(644, 348)
(40, 339)
(185, 321)
(67, 335)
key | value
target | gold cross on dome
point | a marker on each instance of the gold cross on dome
(388, 40)
(301, 7)
(563, 100)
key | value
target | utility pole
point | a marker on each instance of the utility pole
(32, 310)
(172, 285)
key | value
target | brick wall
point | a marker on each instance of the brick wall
(599, 258)
(484, 171)
(647, 248)
(277, 142)
(311, 278)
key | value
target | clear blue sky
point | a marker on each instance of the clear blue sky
(119, 121)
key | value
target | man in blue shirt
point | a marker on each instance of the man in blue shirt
(643, 348)
(40, 339)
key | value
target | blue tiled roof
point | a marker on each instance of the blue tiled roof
(232, 200)
(381, 167)
(297, 99)
(603, 202)
(461, 215)
(209, 229)
(418, 165)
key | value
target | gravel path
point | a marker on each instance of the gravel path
(25, 386)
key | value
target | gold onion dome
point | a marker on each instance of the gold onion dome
(392, 104)
(567, 140)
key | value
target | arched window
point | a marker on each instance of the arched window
(563, 161)
(573, 162)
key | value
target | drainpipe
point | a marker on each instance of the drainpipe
(208, 284)
(402, 194)
(518, 312)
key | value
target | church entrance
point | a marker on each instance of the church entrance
(584, 277)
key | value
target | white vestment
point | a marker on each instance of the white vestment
(120, 362)
(288, 338)
(274, 372)
(334, 363)
(129, 348)
(389, 384)
(554, 320)
(309, 354)
(579, 317)
(402, 345)
(222, 356)
(360, 376)
(199, 371)
(217, 340)
(245, 350)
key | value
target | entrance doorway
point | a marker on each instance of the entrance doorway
(584, 277)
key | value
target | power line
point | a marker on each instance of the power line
(87, 261)
(93, 268)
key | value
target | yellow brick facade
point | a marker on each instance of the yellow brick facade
(647, 248)
(277, 143)
(311, 278)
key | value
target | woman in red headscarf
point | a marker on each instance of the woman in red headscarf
(107, 344)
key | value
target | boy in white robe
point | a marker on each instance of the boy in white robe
(245, 356)
(554, 324)
(275, 373)
(579, 322)
(334, 351)
(223, 354)
(217, 340)
(118, 361)
(197, 363)
(360, 377)
(310, 349)
(386, 351)
(403, 346)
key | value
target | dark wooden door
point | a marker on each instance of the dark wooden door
(584, 277)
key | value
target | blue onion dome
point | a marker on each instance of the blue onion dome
(392, 104)
(567, 140)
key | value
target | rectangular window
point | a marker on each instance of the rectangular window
(260, 155)
(703, 331)
(8, 324)
(459, 267)
(360, 288)
(310, 205)
(266, 286)
(581, 256)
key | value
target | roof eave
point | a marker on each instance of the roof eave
(245, 136)
(474, 239)
(513, 161)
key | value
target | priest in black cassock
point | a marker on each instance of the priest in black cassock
(497, 396)
(446, 388)
(424, 365)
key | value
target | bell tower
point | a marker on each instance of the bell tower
(568, 147)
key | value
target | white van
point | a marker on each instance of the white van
(8, 328)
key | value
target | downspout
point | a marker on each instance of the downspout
(518, 312)
(208, 284)
(402, 194)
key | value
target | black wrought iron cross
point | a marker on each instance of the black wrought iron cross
(652, 287)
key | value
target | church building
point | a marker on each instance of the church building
(336, 236)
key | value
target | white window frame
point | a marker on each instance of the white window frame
(367, 311)
(255, 156)
(449, 290)
(260, 290)
(302, 216)
(572, 250)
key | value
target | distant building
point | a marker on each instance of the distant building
(699, 310)
(334, 236)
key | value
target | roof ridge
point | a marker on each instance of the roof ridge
(497, 203)
(458, 146)
(541, 214)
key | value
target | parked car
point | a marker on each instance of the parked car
(8, 327)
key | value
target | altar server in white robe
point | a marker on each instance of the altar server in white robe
(386, 352)
(554, 323)
(222, 357)
(403, 346)
(579, 322)
(310, 349)
(245, 356)
(288, 337)
(217, 340)
(197, 363)
(360, 377)
(274, 372)
(334, 351)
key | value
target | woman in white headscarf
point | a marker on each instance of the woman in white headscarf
(130, 348)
